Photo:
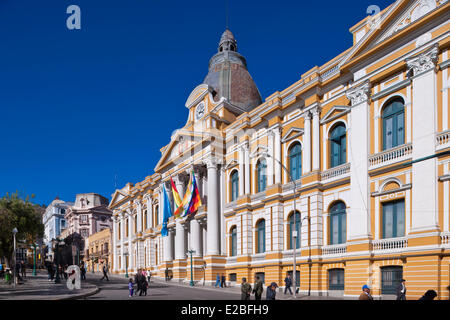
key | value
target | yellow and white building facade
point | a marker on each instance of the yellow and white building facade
(355, 157)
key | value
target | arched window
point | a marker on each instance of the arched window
(295, 216)
(261, 174)
(295, 161)
(338, 223)
(261, 236)
(233, 242)
(338, 146)
(393, 124)
(234, 185)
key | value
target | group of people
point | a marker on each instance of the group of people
(220, 281)
(141, 281)
(246, 290)
(400, 292)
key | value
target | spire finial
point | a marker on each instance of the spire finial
(227, 14)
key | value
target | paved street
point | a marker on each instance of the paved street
(117, 289)
(39, 288)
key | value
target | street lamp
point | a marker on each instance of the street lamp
(14, 235)
(35, 245)
(192, 280)
(294, 233)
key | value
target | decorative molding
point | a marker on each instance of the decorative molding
(424, 62)
(359, 94)
(393, 88)
(328, 116)
(288, 137)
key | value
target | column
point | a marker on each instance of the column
(195, 227)
(270, 137)
(424, 118)
(358, 223)
(316, 138)
(213, 230)
(130, 245)
(180, 235)
(114, 244)
(277, 154)
(306, 152)
(149, 212)
(241, 171)
(247, 168)
(122, 237)
(138, 215)
(168, 246)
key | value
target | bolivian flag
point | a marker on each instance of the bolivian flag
(176, 195)
(191, 200)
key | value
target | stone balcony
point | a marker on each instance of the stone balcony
(390, 245)
(336, 249)
(335, 173)
(443, 140)
(390, 156)
(445, 239)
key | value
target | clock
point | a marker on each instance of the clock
(200, 111)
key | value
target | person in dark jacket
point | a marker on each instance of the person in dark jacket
(429, 295)
(288, 282)
(401, 290)
(271, 291)
(223, 283)
(258, 288)
(105, 273)
(246, 289)
(137, 282)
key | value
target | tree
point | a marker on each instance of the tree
(19, 213)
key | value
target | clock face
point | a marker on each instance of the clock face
(200, 111)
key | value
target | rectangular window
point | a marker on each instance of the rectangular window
(390, 279)
(336, 279)
(394, 219)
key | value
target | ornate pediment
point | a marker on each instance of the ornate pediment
(335, 113)
(414, 12)
(393, 20)
(198, 94)
(292, 134)
(118, 197)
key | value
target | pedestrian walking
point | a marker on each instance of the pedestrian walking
(258, 288)
(23, 269)
(271, 291)
(288, 283)
(137, 282)
(130, 288)
(166, 272)
(217, 281)
(149, 276)
(105, 273)
(246, 289)
(83, 272)
(18, 267)
(144, 286)
(365, 295)
(429, 295)
(223, 283)
(401, 290)
(1, 271)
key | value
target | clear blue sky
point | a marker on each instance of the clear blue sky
(78, 107)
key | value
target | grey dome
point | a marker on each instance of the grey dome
(229, 77)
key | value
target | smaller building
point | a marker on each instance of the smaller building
(54, 222)
(98, 251)
(89, 215)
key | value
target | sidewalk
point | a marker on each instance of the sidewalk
(39, 288)
(237, 289)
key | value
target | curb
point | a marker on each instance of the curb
(81, 295)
